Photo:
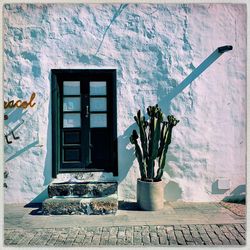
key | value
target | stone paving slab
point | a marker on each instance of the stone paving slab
(153, 235)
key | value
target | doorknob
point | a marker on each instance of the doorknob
(87, 111)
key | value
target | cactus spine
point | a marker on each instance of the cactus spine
(155, 137)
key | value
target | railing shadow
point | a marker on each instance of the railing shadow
(19, 152)
(166, 100)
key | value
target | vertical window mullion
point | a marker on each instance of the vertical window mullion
(85, 122)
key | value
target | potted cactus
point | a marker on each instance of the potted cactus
(150, 150)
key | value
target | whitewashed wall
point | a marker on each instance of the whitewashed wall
(153, 47)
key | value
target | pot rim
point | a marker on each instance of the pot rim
(139, 180)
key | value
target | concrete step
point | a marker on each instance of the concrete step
(92, 206)
(83, 189)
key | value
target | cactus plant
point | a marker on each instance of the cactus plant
(155, 137)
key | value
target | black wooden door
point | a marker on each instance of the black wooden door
(87, 121)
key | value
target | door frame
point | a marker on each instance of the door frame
(56, 119)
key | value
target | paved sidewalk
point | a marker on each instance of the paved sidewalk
(229, 234)
(178, 224)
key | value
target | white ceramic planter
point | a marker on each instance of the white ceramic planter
(150, 195)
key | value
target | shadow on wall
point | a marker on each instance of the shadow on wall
(126, 156)
(47, 173)
(42, 196)
(15, 116)
(216, 189)
(166, 99)
(13, 119)
(238, 195)
(19, 152)
(172, 191)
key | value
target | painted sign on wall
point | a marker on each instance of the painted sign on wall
(17, 104)
(20, 103)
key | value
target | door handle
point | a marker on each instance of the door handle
(87, 111)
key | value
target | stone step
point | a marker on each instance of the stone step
(90, 206)
(83, 189)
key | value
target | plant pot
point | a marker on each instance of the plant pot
(150, 195)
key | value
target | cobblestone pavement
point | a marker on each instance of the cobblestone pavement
(215, 234)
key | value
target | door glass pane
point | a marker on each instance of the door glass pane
(71, 104)
(71, 120)
(98, 120)
(98, 104)
(97, 88)
(71, 88)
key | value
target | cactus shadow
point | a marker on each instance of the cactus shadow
(126, 155)
(170, 158)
